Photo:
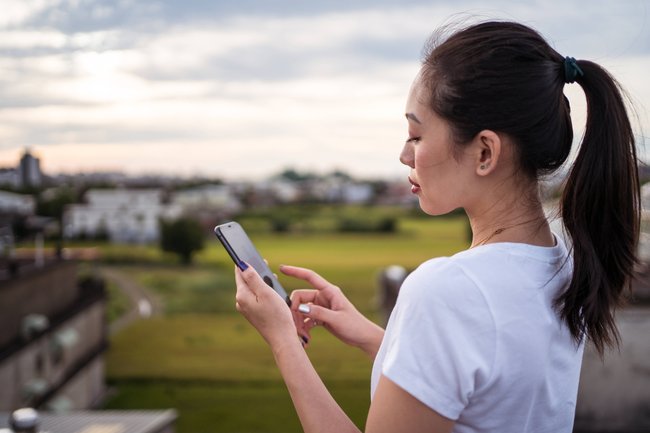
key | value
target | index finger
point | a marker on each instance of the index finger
(315, 280)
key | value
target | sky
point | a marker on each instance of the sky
(246, 88)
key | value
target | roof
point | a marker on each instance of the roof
(114, 421)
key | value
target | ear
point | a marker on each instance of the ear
(487, 146)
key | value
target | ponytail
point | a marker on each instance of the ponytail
(601, 212)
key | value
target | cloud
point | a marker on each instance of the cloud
(247, 82)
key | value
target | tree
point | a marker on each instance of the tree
(52, 202)
(183, 237)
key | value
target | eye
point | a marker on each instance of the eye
(413, 139)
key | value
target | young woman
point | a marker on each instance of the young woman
(490, 339)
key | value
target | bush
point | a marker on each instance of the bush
(280, 225)
(359, 225)
(183, 237)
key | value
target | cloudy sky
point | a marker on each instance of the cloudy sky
(245, 88)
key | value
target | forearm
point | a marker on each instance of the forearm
(316, 408)
(373, 339)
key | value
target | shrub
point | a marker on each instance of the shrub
(361, 225)
(183, 237)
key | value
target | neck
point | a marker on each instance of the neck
(515, 217)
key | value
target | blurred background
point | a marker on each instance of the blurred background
(130, 128)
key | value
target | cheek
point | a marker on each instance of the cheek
(432, 161)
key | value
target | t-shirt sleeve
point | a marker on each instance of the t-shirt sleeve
(441, 338)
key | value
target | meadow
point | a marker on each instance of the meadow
(202, 358)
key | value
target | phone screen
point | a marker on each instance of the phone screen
(241, 249)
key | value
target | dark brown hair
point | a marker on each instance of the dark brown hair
(505, 77)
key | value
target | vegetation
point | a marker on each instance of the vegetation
(203, 358)
(183, 236)
(118, 304)
(52, 202)
(319, 218)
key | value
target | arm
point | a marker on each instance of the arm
(268, 313)
(315, 406)
(393, 409)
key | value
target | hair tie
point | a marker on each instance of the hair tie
(571, 70)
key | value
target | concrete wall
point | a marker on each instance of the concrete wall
(48, 291)
(86, 389)
(614, 394)
(52, 357)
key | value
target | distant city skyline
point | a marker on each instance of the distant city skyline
(245, 89)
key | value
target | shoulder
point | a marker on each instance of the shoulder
(442, 280)
(440, 342)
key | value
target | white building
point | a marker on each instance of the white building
(208, 197)
(285, 191)
(9, 177)
(16, 204)
(343, 190)
(130, 216)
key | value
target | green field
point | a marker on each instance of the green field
(203, 358)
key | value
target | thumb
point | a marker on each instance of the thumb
(250, 277)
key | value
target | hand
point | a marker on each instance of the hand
(329, 307)
(263, 308)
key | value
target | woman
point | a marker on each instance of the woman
(491, 339)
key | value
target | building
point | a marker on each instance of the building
(13, 208)
(213, 198)
(208, 204)
(9, 177)
(27, 174)
(140, 421)
(16, 204)
(52, 337)
(128, 216)
(29, 171)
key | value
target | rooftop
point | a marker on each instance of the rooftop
(140, 421)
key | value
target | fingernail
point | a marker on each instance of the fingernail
(242, 265)
(305, 339)
(304, 308)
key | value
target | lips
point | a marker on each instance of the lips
(415, 187)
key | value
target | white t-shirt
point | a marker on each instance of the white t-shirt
(475, 337)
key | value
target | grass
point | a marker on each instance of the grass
(199, 289)
(217, 347)
(349, 261)
(217, 372)
(118, 303)
(241, 407)
(207, 362)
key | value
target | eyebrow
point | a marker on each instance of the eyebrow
(412, 117)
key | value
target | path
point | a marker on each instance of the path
(143, 303)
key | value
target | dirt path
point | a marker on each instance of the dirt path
(143, 303)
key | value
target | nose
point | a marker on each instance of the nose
(406, 157)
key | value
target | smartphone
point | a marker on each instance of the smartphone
(240, 248)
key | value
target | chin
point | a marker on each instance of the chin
(435, 209)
